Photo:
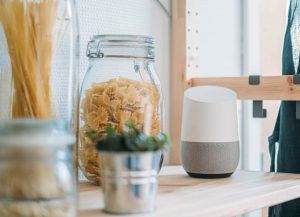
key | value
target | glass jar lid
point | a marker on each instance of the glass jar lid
(121, 46)
(25, 132)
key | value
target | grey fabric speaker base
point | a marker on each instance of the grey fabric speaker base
(209, 159)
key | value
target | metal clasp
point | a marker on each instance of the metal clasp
(257, 110)
(96, 54)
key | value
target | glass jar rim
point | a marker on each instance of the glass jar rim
(35, 133)
(142, 39)
(98, 43)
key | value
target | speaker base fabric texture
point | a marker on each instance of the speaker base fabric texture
(209, 159)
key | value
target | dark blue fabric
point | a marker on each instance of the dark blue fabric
(287, 128)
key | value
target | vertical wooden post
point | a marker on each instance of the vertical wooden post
(178, 77)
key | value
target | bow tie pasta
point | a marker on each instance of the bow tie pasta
(112, 104)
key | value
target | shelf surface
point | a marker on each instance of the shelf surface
(180, 195)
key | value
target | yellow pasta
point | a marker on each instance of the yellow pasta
(29, 30)
(112, 104)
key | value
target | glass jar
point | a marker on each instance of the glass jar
(36, 171)
(38, 60)
(118, 87)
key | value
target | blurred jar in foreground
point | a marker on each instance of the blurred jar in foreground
(36, 169)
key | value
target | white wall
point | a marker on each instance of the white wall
(214, 38)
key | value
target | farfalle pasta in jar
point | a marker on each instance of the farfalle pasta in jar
(120, 86)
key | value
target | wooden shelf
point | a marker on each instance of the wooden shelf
(180, 195)
(270, 87)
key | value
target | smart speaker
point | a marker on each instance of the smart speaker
(209, 134)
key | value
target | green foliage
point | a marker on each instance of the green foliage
(92, 134)
(131, 140)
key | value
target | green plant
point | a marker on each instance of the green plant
(131, 139)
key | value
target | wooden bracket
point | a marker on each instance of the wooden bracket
(257, 110)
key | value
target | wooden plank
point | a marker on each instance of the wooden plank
(178, 77)
(180, 195)
(270, 88)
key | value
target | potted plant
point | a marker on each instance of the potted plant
(130, 162)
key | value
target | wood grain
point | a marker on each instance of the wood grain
(270, 87)
(178, 79)
(180, 195)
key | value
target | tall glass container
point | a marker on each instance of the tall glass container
(38, 60)
(36, 173)
(120, 81)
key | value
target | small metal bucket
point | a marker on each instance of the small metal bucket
(129, 181)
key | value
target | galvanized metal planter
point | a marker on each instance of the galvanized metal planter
(130, 181)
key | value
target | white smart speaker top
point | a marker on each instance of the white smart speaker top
(209, 115)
